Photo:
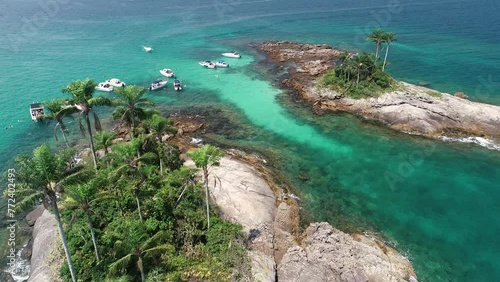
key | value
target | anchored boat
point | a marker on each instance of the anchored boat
(232, 54)
(158, 84)
(177, 85)
(36, 110)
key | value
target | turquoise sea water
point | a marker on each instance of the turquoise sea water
(437, 202)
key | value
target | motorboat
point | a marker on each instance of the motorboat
(207, 64)
(177, 85)
(36, 110)
(167, 72)
(232, 54)
(158, 84)
(115, 82)
(147, 49)
(221, 64)
(104, 86)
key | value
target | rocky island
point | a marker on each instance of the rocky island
(405, 107)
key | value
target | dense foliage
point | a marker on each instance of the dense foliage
(362, 75)
(138, 214)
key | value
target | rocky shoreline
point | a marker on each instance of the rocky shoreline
(409, 108)
(248, 194)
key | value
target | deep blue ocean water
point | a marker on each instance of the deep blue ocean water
(443, 213)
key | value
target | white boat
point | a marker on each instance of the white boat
(177, 85)
(104, 86)
(147, 49)
(115, 82)
(207, 64)
(221, 64)
(158, 84)
(167, 72)
(232, 54)
(36, 110)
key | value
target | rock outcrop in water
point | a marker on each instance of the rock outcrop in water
(410, 108)
(246, 194)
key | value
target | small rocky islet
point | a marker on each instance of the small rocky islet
(406, 107)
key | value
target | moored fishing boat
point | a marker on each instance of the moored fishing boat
(221, 64)
(147, 49)
(158, 84)
(167, 72)
(104, 86)
(115, 82)
(232, 54)
(36, 110)
(177, 85)
(207, 64)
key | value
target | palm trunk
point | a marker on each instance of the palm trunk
(141, 269)
(376, 50)
(92, 233)
(91, 140)
(161, 166)
(63, 238)
(357, 81)
(133, 123)
(63, 130)
(205, 182)
(138, 206)
(386, 53)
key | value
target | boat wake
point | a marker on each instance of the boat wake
(477, 140)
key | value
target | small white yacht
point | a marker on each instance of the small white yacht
(207, 64)
(221, 64)
(115, 82)
(158, 84)
(177, 85)
(232, 54)
(167, 72)
(36, 110)
(147, 49)
(104, 86)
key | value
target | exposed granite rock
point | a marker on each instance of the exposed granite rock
(27, 250)
(327, 254)
(410, 108)
(45, 241)
(34, 215)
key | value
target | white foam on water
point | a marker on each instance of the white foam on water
(483, 142)
(21, 270)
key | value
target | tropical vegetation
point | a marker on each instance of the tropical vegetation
(362, 75)
(133, 213)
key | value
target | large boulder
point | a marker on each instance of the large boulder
(34, 215)
(327, 254)
(45, 242)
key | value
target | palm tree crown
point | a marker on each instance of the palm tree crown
(83, 100)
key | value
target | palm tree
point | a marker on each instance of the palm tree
(377, 36)
(129, 104)
(82, 195)
(205, 158)
(130, 164)
(40, 177)
(389, 37)
(156, 124)
(104, 139)
(138, 247)
(58, 112)
(82, 98)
